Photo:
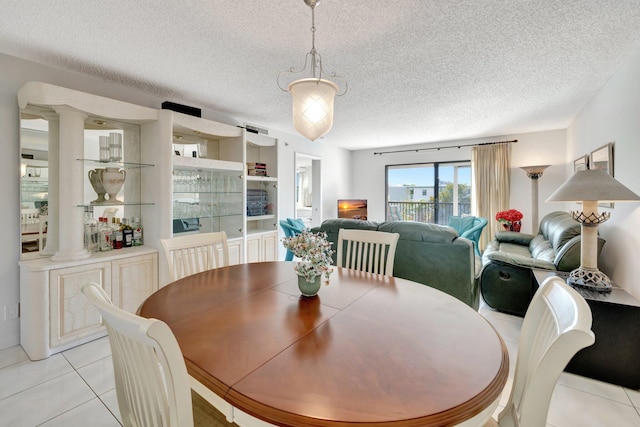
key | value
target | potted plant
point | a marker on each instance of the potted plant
(314, 251)
(510, 219)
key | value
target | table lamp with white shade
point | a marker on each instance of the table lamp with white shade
(590, 187)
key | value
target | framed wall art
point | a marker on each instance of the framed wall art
(602, 158)
(581, 163)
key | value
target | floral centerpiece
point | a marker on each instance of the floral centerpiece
(510, 219)
(314, 251)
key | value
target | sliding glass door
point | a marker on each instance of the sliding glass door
(428, 192)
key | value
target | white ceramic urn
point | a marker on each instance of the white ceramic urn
(112, 181)
(95, 178)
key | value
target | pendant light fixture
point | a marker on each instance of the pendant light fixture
(312, 98)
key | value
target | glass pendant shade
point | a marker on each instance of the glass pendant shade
(312, 104)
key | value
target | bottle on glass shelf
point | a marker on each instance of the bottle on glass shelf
(127, 233)
(104, 234)
(116, 237)
(137, 232)
(90, 230)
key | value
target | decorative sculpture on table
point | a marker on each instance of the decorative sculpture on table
(315, 252)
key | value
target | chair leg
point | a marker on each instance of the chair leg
(289, 256)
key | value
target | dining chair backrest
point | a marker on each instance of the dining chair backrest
(28, 216)
(152, 383)
(194, 253)
(556, 326)
(43, 222)
(367, 250)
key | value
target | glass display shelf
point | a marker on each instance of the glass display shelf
(259, 217)
(192, 194)
(95, 205)
(124, 165)
(227, 215)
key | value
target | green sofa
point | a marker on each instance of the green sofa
(506, 282)
(430, 254)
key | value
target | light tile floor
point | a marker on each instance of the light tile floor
(76, 388)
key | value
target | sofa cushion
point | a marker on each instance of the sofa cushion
(333, 226)
(541, 249)
(420, 231)
(560, 229)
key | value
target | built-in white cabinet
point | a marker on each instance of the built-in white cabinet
(202, 183)
(262, 198)
(55, 315)
(177, 174)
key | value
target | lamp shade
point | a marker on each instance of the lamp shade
(592, 185)
(312, 105)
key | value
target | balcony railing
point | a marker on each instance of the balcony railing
(437, 213)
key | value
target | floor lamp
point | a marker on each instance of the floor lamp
(590, 187)
(534, 172)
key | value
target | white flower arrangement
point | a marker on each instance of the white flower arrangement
(315, 252)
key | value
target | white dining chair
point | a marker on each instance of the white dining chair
(152, 383)
(556, 326)
(194, 253)
(43, 222)
(367, 250)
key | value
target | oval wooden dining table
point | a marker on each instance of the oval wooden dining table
(368, 350)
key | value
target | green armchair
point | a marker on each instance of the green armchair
(469, 227)
(507, 282)
(291, 227)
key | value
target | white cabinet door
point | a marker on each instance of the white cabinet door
(72, 316)
(235, 251)
(133, 280)
(269, 246)
(262, 247)
(253, 248)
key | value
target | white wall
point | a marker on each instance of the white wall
(335, 176)
(539, 148)
(15, 72)
(613, 114)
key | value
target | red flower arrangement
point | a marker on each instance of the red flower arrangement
(510, 219)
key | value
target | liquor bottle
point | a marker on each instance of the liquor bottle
(127, 233)
(116, 237)
(91, 239)
(104, 233)
(137, 232)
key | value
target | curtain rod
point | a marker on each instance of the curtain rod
(415, 150)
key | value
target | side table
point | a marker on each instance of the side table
(615, 356)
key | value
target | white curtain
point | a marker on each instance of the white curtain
(491, 165)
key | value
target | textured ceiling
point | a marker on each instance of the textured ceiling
(418, 71)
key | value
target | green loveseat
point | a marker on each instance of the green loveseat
(507, 282)
(430, 254)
